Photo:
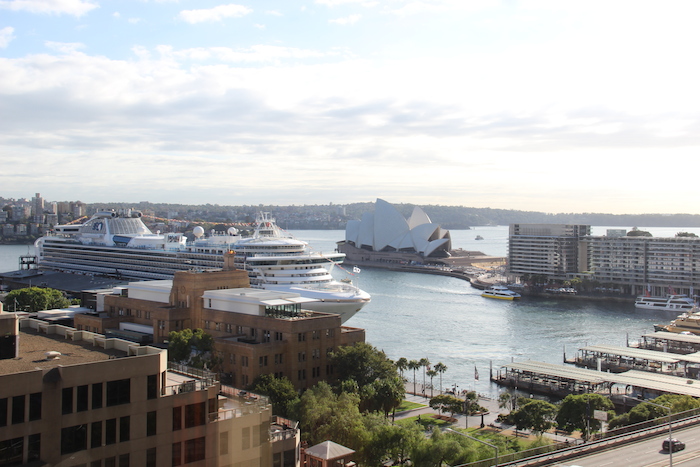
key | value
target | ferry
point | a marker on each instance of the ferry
(500, 292)
(687, 323)
(119, 244)
(668, 303)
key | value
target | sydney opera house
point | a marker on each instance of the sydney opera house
(386, 236)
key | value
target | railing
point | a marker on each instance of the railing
(199, 373)
(546, 455)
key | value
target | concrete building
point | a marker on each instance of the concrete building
(545, 249)
(73, 397)
(640, 264)
(256, 331)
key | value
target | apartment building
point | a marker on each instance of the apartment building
(545, 249)
(639, 265)
(77, 398)
(256, 331)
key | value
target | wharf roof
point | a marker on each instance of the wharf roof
(33, 347)
(673, 336)
(633, 352)
(635, 378)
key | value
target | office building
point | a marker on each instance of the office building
(77, 398)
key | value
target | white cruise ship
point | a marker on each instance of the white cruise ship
(668, 303)
(119, 244)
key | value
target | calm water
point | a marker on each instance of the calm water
(446, 320)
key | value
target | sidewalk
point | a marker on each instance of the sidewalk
(472, 421)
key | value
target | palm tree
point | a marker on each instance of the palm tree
(431, 374)
(414, 365)
(440, 368)
(425, 363)
(401, 365)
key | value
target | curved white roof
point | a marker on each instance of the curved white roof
(386, 229)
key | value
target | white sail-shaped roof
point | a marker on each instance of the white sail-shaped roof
(386, 227)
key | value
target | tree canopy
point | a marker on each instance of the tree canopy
(35, 299)
(281, 392)
(193, 348)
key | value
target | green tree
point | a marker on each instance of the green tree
(446, 403)
(440, 368)
(431, 374)
(425, 363)
(362, 363)
(686, 234)
(576, 412)
(414, 365)
(535, 415)
(281, 392)
(35, 299)
(402, 365)
(192, 347)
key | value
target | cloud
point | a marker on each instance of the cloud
(217, 13)
(64, 47)
(69, 7)
(6, 36)
(352, 19)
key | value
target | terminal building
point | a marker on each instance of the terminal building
(634, 265)
(77, 398)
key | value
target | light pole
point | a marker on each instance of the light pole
(670, 433)
(477, 440)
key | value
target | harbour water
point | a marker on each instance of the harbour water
(446, 320)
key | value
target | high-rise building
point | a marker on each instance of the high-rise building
(545, 249)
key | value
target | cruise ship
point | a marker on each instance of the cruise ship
(118, 243)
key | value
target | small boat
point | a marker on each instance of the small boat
(668, 303)
(500, 292)
(478, 237)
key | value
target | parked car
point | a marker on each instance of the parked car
(672, 445)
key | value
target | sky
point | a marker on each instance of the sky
(549, 105)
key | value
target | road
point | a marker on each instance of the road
(646, 453)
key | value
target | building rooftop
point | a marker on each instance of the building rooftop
(33, 346)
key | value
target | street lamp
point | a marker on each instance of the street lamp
(477, 440)
(670, 433)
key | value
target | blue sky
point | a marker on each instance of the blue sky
(535, 105)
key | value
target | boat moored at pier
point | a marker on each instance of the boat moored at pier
(669, 303)
(119, 244)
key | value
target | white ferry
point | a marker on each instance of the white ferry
(119, 244)
(500, 292)
(668, 303)
(687, 323)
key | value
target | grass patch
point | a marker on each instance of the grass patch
(407, 405)
(425, 421)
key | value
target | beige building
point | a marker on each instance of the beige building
(256, 331)
(72, 397)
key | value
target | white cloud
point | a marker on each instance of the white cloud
(352, 19)
(273, 13)
(69, 7)
(6, 36)
(135, 20)
(64, 47)
(217, 13)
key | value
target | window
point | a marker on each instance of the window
(315, 335)
(152, 387)
(330, 332)
(151, 423)
(34, 447)
(301, 336)
(97, 396)
(177, 418)
(151, 457)
(245, 439)
(118, 392)
(262, 361)
(278, 336)
(177, 453)
(124, 429)
(223, 443)
(194, 450)
(195, 414)
(73, 439)
(96, 434)
(82, 400)
(124, 460)
(18, 409)
(301, 356)
(3, 411)
(111, 431)
(11, 451)
(67, 401)
(35, 406)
